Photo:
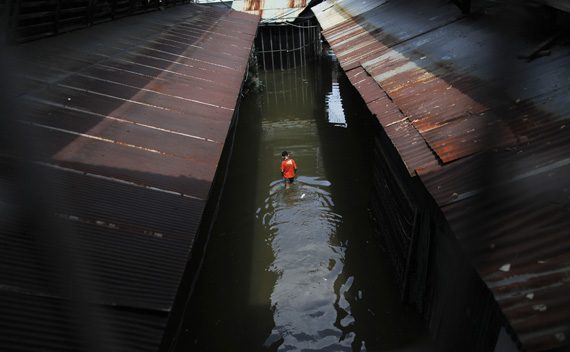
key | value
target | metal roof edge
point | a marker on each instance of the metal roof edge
(112, 139)
(498, 124)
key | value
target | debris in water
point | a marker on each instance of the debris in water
(303, 196)
(505, 267)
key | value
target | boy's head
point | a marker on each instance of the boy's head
(285, 154)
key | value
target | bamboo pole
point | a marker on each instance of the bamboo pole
(293, 50)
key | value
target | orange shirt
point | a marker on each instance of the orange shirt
(288, 167)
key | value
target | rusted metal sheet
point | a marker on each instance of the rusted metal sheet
(371, 27)
(497, 128)
(58, 327)
(115, 138)
(522, 252)
(333, 13)
(272, 11)
(406, 139)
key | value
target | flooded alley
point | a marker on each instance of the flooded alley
(298, 268)
(144, 209)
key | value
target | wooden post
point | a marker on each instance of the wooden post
(316, 41)
(288, 52)
(293, 50)
(262, 48)
(300, 47)
(271, 46)
(313, 36)
(305, 28)
(280, 49)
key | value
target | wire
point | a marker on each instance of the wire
(289, 50)
(286, 14)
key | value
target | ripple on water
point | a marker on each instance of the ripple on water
(310, 311)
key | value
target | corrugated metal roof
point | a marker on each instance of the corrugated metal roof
(487, 132)
(414, 150)
(272, 11)
(105, 171)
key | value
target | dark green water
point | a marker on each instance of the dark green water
(298, 269)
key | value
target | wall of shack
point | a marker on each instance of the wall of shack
(432, 272)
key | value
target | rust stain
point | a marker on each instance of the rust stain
(296, 3)
(254, 5)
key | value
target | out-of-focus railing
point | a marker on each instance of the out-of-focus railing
(26, 20)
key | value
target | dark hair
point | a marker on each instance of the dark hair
(284, 154)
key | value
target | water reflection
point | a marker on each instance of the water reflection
(310, 311)
(333, 100)
(298, 268)
(300, 222)
(334, 107)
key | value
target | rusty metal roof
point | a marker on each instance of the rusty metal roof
(106, 165)
(272, 11)
(486, 130)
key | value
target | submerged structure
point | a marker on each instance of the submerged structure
(472, 164)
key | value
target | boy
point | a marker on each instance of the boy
(288, 168)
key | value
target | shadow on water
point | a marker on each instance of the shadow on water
(298, 268)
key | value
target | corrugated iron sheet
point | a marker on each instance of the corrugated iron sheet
(414, 150)
(333, 13)
(272, 11)
(487, 132)
(113, 139)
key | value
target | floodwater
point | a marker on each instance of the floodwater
(298, 268)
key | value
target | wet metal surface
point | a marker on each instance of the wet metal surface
(414, 150)
(485, 130)
(299, 268)
(113, 142)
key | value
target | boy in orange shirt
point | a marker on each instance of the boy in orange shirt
(288, 168)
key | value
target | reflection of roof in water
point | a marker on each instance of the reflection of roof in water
(334, 107)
